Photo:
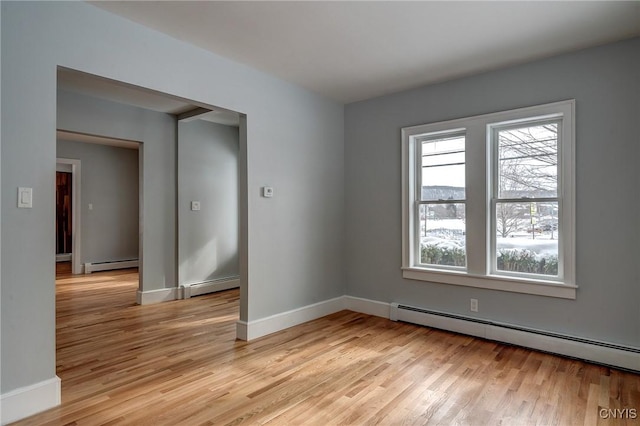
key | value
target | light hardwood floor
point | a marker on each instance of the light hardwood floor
(178, 363)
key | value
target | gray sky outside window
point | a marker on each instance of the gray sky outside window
(443, 163)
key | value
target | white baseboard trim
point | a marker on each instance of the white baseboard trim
(150, 297)
(66, 257)
(589, 350)
(197, 289)
(29, 400)
(261, 327)
(366, 306)
(241, 330)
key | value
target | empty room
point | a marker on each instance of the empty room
(390, 213)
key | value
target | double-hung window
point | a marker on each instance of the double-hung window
(524, 199)
(441, 200)
(488, 201)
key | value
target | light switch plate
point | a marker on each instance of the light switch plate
(267, 191)
(25, 198)
(195, 206)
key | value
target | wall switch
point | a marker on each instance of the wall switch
(90, 206)
(25, 198)
(195, 206)
(474, 305)
(267, 191)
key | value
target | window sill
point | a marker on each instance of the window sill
(492, 282)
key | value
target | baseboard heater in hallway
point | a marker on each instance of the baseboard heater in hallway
(220, 284)
(610, 354)
(110, 265)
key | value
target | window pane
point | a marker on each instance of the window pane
(443, 168)
(443, 183)
(442, 234)
(527, 237)
(528, 161)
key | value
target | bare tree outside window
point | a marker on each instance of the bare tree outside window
(528, 162)
(527, 205)
(508, 219)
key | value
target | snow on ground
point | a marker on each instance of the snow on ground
(541, 245)
(453, 224)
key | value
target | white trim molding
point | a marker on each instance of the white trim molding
(606, 353)
(366, 306)
(185, 291)
(150, 297)
(241, 330)
(493, 282)
(66, 257)
(29, 400)
(257, 328)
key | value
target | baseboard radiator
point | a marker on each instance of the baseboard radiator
(212, 286)
(609, 354)
(110, 265)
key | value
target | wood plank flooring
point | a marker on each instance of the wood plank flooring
(178, 363)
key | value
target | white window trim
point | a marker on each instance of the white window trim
(478, 273)
(418, 197)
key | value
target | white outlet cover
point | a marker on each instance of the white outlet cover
(267, 191)
(195, 206)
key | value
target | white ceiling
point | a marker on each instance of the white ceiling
(350, 51)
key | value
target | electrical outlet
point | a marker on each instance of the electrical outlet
(474, 305)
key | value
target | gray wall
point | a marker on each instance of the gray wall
(109, 182)
(207, 172)
(157, 134)
(604, 82)
(294, 141)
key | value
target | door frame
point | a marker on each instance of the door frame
(76, 245)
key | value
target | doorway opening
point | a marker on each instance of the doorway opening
(103, 232)
(68, 217)
(101, 109)
(64, 215)
(115, 109)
